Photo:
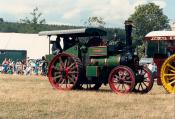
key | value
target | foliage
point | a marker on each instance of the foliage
(1, 20)
(35, 20)
(115, 33)
(95, 21)
(148, 17)
(140, 50)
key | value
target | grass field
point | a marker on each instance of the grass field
(23, 97)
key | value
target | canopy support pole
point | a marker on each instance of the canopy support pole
(158, 47)
(49, 43)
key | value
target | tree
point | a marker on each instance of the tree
(35, 20)
(95, 21)
(148, 17)
(1, 20)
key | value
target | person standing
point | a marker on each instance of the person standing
(5, 64)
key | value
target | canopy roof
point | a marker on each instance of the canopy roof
(83, 32)
(160, 36)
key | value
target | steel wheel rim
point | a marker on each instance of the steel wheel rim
(121, 79)
(168, 74)
(63, 72)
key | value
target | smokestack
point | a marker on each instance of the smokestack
(128, 30)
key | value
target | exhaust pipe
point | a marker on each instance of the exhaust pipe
(128, 30)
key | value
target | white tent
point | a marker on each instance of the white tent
(36, 46)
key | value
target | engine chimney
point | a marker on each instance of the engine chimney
(128, 30)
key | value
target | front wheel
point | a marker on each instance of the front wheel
(121, 79)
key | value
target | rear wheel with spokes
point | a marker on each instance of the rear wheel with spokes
(63, 71)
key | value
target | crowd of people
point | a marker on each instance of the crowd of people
(24, 67)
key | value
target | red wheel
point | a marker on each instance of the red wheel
(121, 79)
(144, 80)
(63, 71)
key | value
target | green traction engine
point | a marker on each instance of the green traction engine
(85, 61)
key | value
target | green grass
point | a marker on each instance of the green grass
(24, 97)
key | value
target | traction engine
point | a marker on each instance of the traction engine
(87, 62)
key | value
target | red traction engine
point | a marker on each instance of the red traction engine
(165, 61)
(87, 62)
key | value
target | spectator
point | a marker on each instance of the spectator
(5, 64)
(153, 68)
(44, 66)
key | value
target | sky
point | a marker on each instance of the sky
(76, 12)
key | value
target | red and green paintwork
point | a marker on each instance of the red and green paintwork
(97, 51)
(98, 57)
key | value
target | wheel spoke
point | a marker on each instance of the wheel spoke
(59, 81)
(173, 77)
(57, 73)
(116, 76)
(61, 62)
(58, 76)
(123, 86)
(145, 84)
(172, 82)
(141, 86)
(146, 80)
(71, 78)
(65, 63)
(71, 65)
(118, 86)
(68, 61)
(141, 71)
(169, 74)
(63, 81)
(73, 72)
(172, 71)
(55, 68)
(169, 65)
(73, 68)
(114, 80)
(127, 82)
(136, 86)
(144, 74)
